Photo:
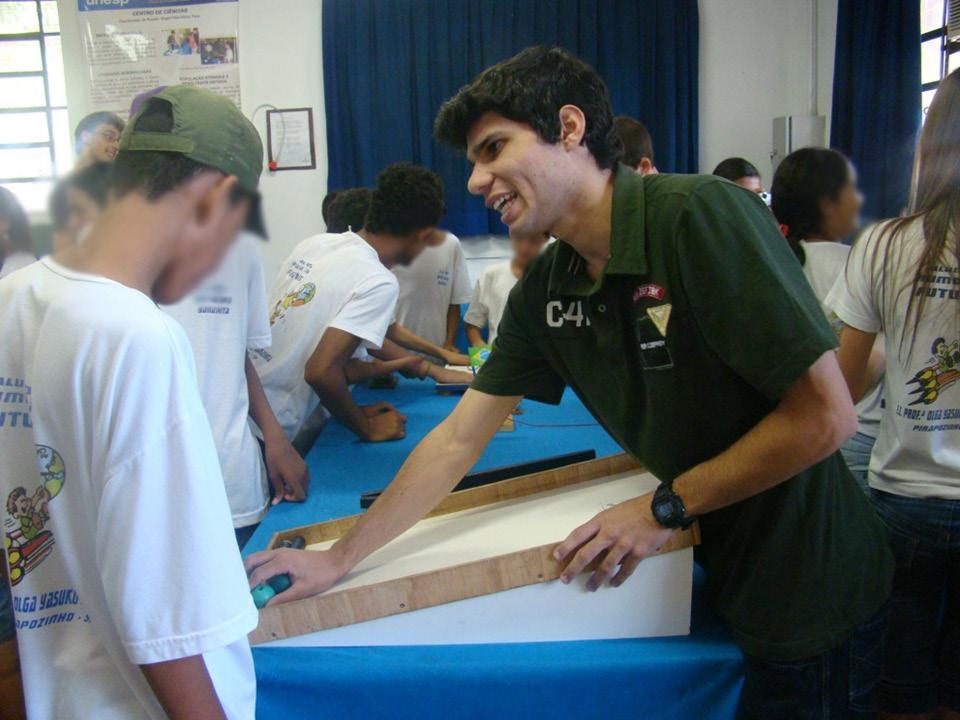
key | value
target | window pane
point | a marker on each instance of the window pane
(930, 54)
(32, 195)
(55, 80)
(51, 17)
(953, 62)
(925, 99)
(23, 128)
(22, 92)
(18, 17)
(931, 15)
(27, 163)
(20, 56)
(62, 141)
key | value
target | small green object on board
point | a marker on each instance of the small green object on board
(279, 583)
(262, 594)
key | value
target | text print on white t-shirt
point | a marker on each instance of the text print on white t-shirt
(941, 370)
(213, 300)
(297, 297)
(28, 539)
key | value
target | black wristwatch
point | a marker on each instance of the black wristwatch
(668, 509)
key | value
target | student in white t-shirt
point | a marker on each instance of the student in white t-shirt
(817, 203)
(129, 595)
(903, 280)
(432, 288)
(347, 210)
(16, 246)
(334, 301)
(224, 319)
(494, 286)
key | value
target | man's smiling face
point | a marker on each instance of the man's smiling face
(519, 175)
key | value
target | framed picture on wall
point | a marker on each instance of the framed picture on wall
(290, 143)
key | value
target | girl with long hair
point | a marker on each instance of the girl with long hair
(903, 280)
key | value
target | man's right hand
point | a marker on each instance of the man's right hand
(310, 572)
(384, 423)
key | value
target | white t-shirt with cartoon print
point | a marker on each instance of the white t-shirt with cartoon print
(824, 263)
(917, 453)
(434, 281)
(224, 318)
(118, 534)
(329, 280)
(490, 298)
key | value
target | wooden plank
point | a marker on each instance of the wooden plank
(494, 492)
(416, 592)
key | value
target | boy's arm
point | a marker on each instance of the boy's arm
(286, 470)
(325, 373)
(410, 340)
(437, 373)
(473, 335)
(184, 689)
(453, 322)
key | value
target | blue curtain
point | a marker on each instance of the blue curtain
(876, 97)
(389, 64)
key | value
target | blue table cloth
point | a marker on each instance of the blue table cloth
(689, 677)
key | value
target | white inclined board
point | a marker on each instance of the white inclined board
(654, 602)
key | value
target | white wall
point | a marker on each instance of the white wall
(755, 65)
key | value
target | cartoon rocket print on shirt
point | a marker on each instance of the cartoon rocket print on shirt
(301, 296)
(26, 539)
(942, 372)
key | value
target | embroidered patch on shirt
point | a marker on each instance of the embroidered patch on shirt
(660, 315)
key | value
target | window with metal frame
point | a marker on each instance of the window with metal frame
(939, 45)
(36, 144)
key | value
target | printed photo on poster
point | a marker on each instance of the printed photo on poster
(143, 44)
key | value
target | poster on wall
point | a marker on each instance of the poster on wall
(132, 46)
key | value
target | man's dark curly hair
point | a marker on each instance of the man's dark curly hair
(407, 198)
(348, 210)
(530, 88)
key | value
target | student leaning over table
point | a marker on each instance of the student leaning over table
(673, 309)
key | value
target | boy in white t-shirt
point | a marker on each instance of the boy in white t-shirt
(432, 288)
(334, 300)
(494, 286)
(129, 595)
(224, 319)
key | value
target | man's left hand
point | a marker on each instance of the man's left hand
(623, 535)
(286, 471)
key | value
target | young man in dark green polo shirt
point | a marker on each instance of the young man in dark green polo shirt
(673, 308)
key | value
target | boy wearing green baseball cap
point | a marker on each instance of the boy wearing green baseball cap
(131, 600)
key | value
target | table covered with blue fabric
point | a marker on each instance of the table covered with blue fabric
(687, 677)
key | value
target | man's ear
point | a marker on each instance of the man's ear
(210, 195)
(645, 167)
(573, 126)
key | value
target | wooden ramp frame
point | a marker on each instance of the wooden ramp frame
(415, 592)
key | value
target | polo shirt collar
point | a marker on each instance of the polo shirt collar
(627, 241)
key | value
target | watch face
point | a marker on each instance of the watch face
(664, 512)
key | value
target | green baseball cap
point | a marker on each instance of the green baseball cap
(209, 129)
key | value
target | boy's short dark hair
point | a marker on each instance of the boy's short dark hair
(735, 168)
(348, 210)
(94, 180)
(155, 173)
(530, 88)
(635, 138)
(407, 198)
(92, 121)
(325, 205)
